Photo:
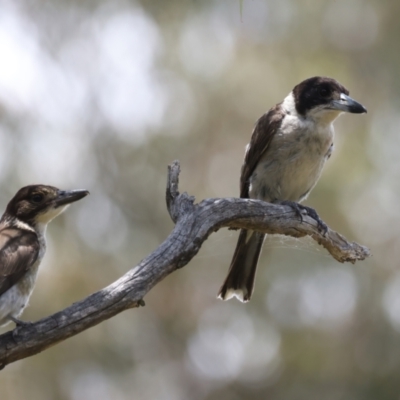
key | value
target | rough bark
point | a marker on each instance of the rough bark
(193, 224)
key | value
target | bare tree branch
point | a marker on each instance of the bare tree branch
(194, 223)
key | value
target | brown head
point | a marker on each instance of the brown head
(40, 203)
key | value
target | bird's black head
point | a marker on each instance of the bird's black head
(40, 204)
(321, 93)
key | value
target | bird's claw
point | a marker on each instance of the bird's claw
(20, 323)
(298, 208)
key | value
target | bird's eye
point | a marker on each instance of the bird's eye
(37, 198)
(323, 91)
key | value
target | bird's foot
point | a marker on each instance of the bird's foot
(20, 323)
(298, 208)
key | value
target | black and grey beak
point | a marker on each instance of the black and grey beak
(347, 104)
(69, 196)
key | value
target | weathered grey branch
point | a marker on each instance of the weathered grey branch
(194, 223)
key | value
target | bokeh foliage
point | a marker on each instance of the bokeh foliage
(104, 94)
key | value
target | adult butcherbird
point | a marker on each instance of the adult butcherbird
(283, 162)
(22, 243)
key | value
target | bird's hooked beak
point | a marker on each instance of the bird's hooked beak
(69, 196)
(347, 104)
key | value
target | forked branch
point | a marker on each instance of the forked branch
(193, 224)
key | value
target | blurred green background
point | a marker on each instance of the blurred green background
(103, 95)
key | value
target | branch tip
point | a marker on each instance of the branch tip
(194, 224)
(172, 191)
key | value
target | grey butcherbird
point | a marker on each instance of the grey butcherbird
(283, 162)
(22, 243)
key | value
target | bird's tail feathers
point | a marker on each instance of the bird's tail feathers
(239, 282)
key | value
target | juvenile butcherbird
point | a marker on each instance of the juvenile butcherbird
(283, 162)
(22, 243)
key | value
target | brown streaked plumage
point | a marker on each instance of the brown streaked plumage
(22, 243)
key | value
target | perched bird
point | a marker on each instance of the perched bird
(283, 162)
(23, 244)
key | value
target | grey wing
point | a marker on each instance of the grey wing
(265, 129)
(19, 249)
